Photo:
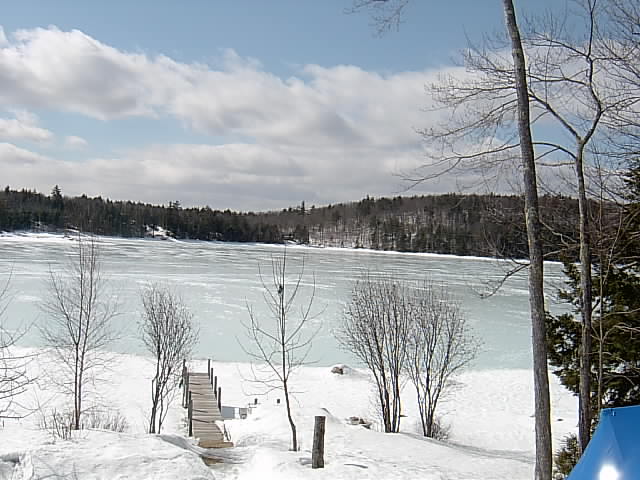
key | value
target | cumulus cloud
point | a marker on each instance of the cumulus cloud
(72, 71)
(323, 135)
(238, 176)
(23, 127)
(12, 155)
(75, 143)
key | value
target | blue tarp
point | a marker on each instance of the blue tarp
(614, 451)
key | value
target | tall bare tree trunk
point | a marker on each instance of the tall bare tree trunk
(584, 416)
(76, 384)
(294, 432)
(285, 375)
(155, 396)
(536, 269)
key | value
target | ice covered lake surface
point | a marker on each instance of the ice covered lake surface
(218, 280)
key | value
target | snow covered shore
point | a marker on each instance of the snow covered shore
(490, 414)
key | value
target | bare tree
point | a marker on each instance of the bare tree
(376, 328)
(78, 325)
(439, 346)
(387, 14)
(483, 109)
(544, 463)
(169, 333)
(621, 43)
(14, 378)
(282, 342)
(564, 73)
(575, 84)
(580, 81)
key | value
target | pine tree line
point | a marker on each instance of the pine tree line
(481, 225)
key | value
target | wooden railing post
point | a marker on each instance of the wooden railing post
(220, 399)
(185, 403)
(184, 384)
(211, 376)
(190, 414)
(317, 454)
(215, 384)
(208, 367)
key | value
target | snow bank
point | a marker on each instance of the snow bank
(105, 455)
(490, 413)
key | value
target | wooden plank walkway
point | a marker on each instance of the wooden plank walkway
(203, 409)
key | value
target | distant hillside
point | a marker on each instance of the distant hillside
(483, 225)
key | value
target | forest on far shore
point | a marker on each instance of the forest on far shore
(482, 225)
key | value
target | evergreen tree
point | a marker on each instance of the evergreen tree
(615, 362)
(615, 334)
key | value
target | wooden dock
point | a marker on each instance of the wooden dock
(202, 398)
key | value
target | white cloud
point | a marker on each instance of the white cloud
(73, 142)
(71, 71)
(23, 127)
(25, 169)
(326, 134)
(12, 155)
(238, 176)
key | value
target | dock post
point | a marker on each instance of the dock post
(208, 367)
(215, 384)
(317, 454)
(220, 399)
(211, 376)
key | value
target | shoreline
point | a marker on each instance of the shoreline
(59, 236)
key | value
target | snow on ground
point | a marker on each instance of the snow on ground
(490, 414)
(102, 455)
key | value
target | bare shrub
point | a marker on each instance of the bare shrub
(439, 346)
(78, 325)
(14, 378)
(375, 328)
(100, 419)
(169, 334)
(58, 423)
(61, 423)
(439, 429)
(401, 330)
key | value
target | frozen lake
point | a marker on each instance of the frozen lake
(217, 280)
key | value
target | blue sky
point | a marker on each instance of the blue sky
(233, 104)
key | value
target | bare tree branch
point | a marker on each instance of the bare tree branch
(78, 325)
(281, 343)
